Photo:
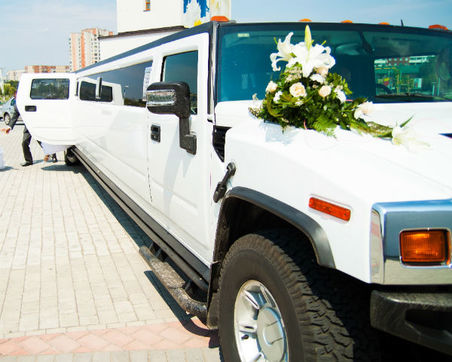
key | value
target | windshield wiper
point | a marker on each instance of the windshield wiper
(426, 96)
(413, 97)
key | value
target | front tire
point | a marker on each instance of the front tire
(276, 304)
(7, 119)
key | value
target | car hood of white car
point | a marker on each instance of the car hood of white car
(417, 169)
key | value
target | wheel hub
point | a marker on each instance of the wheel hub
(258, 325)
(270, 334)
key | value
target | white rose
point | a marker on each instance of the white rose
(271, 87)
(363, 109)
(277, 97)
(317, 78)
(325, 91)
(298, 90)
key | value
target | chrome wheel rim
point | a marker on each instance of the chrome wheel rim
(259, 329)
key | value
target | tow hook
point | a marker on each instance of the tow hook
(221, 186)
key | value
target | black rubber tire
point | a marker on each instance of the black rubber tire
(70, 159)
(7, 119)
(326, 316)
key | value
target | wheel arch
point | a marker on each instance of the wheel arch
(243, 211)
(240, 199)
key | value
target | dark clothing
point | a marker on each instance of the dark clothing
(26, 146)
(26, 139)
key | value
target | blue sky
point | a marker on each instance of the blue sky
(37, 31)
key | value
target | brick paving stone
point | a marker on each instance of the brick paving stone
(71, 277)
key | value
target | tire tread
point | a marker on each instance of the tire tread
(332, 327)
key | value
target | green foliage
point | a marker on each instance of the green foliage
(319, 104)
(10, 88)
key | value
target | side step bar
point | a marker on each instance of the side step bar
(174, 284)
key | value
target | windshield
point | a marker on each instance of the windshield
(381, 63)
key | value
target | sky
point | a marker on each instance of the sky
(37, 31)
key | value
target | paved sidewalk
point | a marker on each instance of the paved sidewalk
(72, 284)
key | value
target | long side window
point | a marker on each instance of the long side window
(124, 86)
(49, 89)
(183, 67)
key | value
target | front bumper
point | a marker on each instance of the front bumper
(422, 318)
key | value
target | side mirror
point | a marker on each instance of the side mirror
(173, 98)
(169, 98)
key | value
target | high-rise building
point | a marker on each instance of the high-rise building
(84, 47)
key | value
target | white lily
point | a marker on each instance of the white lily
(340, 95)
(407, 137)
(316, 57)
(307, 37)
(285, 50)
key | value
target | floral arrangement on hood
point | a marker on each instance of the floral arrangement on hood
(308, 95)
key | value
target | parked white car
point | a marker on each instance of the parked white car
(296, 245)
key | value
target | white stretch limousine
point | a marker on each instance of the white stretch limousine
(297, 245)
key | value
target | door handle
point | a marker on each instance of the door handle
(155, 133)
(30, 108)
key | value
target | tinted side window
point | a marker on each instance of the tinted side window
(183, 67)
(106, 94)
(128, 82)
(87, 91)
(49, 89)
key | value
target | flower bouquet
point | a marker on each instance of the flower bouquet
(307, 95)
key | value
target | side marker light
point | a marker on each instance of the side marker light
(330, 209)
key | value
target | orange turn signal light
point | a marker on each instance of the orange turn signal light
(329, 208)
(219, 18)
(438, 26)
(424, 246)
(347, 21)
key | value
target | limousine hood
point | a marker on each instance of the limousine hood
(360, 166)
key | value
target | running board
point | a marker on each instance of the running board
(172, 281)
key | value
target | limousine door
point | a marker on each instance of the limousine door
(179, 179)
(45, 102)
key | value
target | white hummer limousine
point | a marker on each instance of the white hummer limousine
(296, 245)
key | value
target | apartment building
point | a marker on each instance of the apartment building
(84, 47)
(16, 74)
(46, 68)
